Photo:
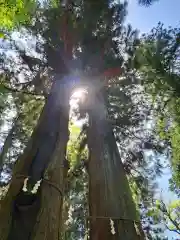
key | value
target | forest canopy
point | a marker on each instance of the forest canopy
(122, 134)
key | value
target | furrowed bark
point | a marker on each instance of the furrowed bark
(109, 192)
(39, 217)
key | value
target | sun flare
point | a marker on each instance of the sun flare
(78, 95)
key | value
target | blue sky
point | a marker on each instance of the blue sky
(144, 19)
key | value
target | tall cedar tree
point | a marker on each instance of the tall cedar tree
(40, 217)
(96, 46)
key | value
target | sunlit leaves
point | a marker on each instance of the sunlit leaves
(15, 12)
(159, 64)
(166, 214)
(72, 148)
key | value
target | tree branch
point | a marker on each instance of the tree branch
(20, 91)
(174, 223)
(172, 230)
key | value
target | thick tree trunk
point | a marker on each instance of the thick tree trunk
(110, 197)
(38, 216)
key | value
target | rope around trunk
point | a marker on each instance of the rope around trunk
(44, 180)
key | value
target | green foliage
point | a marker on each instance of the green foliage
(16, 12)
(72, 147)
(172, 136)
(169, 214)
(158, 59)
(75, 205)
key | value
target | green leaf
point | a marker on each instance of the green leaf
(158, 203)
(2, 35)
(174, 204)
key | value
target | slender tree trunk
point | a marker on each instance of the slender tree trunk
(7, 145)
(110, 197)
(38, 216)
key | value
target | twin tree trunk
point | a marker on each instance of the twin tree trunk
(38, 217)
(110, 196)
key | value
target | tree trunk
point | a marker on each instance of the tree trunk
(38, 216)
(110, 196)
(7, 145)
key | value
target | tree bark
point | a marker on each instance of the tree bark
(109, 192)
(36, 217)
(7, 145)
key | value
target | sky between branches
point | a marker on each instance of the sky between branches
(144, 19)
